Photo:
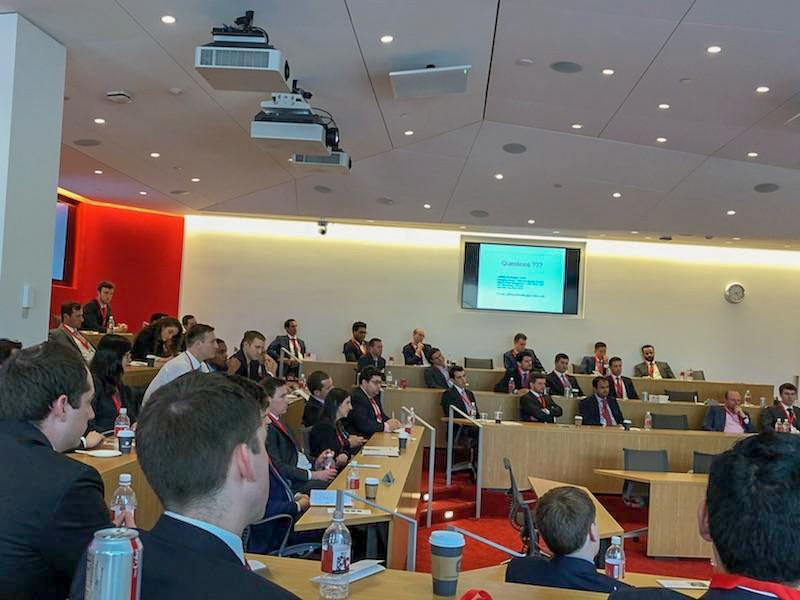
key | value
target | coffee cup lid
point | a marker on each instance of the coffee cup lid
(403, 434)
(446, 539)
(626, 420)
(372, 481)
(126, 433)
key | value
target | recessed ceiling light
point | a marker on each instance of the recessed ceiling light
(525, 61)
(479, 214)
(155, 155)
(661, 140)
(766, 188)
(168, 20)
(531, 221)
(322, 189)
(663, 106)
(737, 238)
(634, 232)
(426, 205)
(143, 193)
(714, 49)
(752, 154)
(566, 67)
(385, 200)
(730, 213)
(195, 179)
(86, 142)
(577, 125)
(498, 176)
(762, 89)
(408, 132)
(514, 148)
(98, 172)
(685, 80)
(616, 195)
(608, 71)
(100, 121)
(387, 39)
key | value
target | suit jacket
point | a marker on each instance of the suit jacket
(362, 420)
(352, 351)
(561, 572)
(434, 378)
(530, 409)
(502, 385)
(283, 451)
(282, 341)
(510, 361)
(105, 411)
(324, 436)
(665, 594)
(587, 365)
(93, 318)
(252, 369)
(267, 537)
(47, 516)
(60, 336)
(591, 412)
(183, 561)
(640, 370)
(411, 357)
(311, 412)
(775, 412)
(630, 389)
(366, 360)
(715, 420)
(557, 388)
(451, 396)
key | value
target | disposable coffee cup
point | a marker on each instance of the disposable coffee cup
(125, 440)
(371, 487)
(484, 416)
(578, 420)
(402, 439)
(151, 360)
(446, 550)
(627, 424)
(498, 416)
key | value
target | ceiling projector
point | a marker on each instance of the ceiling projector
(241, 59)
(286, 123)
(338, 162)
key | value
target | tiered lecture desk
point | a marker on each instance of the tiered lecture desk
(94, 337)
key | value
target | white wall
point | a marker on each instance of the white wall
(248, 273)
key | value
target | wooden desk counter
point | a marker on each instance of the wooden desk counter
(672, 514)
(94, 337)
(139, 376)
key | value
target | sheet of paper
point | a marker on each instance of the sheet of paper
(327, 498)
(683, 584)
(353, 511)
(380, 451)
(358, 570)
(256, 565)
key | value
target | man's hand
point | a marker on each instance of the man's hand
(303, 501)
(355, 441)
(233, 365)
(393, 424)
(122, 327)
(324, 474)
(270, 364)
(94, 439)
(323, 456)
(546, 411)
(341, 460)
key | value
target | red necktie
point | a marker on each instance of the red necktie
(606, 413)
(295, 346)
(377, 410)
(619, 387)
(542, 401)
(650, 369)
(103, 310)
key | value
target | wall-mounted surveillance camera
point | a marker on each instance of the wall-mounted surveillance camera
(323, 227)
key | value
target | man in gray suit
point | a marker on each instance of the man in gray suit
(652, 367)
(68, 334)
(437, 376)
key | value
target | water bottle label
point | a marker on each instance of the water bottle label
(615, 569)
(336, 559)
(354, 483)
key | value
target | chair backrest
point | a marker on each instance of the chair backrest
(520, 516)
(661, 421)
(701, 462)
(646, 460)
(680, 396)
(697, 375)
(478, 363)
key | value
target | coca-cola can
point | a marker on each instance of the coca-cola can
(114, 565)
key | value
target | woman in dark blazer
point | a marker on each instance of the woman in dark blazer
(330, 431)
(112, 357)
(158, 338)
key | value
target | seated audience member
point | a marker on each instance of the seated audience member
(220, 360)
(156, 316)
(201, 345)
(565, 517)
(620, 387)
(520, 375)
(537, 405)
(250, 360)
(188, 321)
(652, 367)
(558, 380)
(373, 358)
(200, 443)
(97, 311)
(68, 333)
(288, 458)
(367, 416)
(599, 408)
(596, 364)
(330, 431)
(289, 342)
(415, 352)
(355, 348)
(50, 504)
(729, 417)
(8, 348)
(510, 357)
(750, 518)
(111, 394)
(156, 338)
(458, 395)
(319, 384)
(783, 409)
(437, 375)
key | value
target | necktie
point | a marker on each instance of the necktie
(620, 394)
(377, 410)
(524, 379)
(295, 346)
(606, 412)
(789, 415)
(103, 311)
(542, 401)
(468, 403)
(650, 369)
(567, 384)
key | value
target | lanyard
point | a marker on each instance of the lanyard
(77, 337)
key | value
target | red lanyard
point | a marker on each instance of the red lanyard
(117, 402)
(468, 403)
(77, 336)
(728, 582)
(377, 410)
(279, 425)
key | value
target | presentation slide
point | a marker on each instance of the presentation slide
(528, 278)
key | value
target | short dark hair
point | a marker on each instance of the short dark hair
(156, 316)
(538, 375)
(107, 285)
(69, 307)
(454, 369)
(787, 386)
(600, 345)
(253, 389)
(106, 365)
(520, 336)
(368, 373)
(197, 333)
(433, 350)
(559, 356)
(271, 385)
(32, 379)
(597, 380)
(186, 319)
(315, 380)
(613, 360)
(221, 342)
(333, 401)
(187, 432)
(251, 335)
(648, 346)
(7, 347)
(358, 325)
(753, 503)
(373, 341)
(288, 322)
(564, 516)
(523, 354)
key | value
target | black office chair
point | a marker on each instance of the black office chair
(520, 516)
(661, 421)
(679, 396)
(697, 375)
(701, 462)
(295, 551)
(478, 363)
(635, 493)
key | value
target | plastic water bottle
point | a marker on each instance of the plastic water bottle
(568, 392)
(389, 378)
(122, 421)
(648, 420)
(615, 559)
(353, 477)
(124, 498)
(336, 552)
(413, 418)
(111, 324)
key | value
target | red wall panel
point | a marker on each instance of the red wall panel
(140, 252)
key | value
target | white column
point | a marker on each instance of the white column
(32, 66)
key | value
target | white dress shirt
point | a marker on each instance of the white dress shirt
(233, 541)
(182, 363)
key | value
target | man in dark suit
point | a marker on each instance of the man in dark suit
(319, 384)
(519, 375)
(596, 364)
(565, 518)
(620, 387)
(68, 333)
(200, 443)
(652, 367)
(289, 342)
(599, 408)
(367, 416)
(98, 310)
(251, 359)
(373, 358)
(458, 395)
(437, 375)
(729, 417)
(50, 504)
(355, 348)
(783, 409)
(537, 405)
(558, 380)
(291, 462)
(520, 343)
(415, 352)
